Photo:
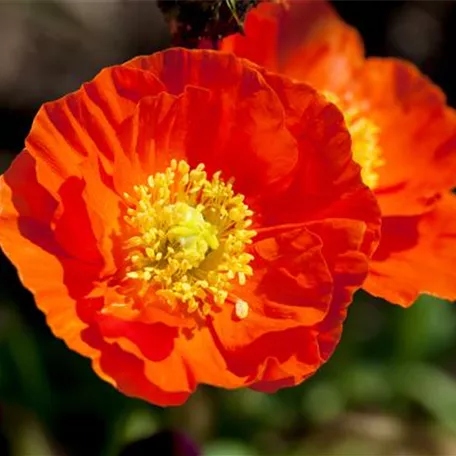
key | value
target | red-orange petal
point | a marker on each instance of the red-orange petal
(291, 256)
(416, 255)
(67, 130)
(417, 135)
(178, 68)
(305, 40)
(345, 244)
(253, 346)
(128, 372)
(328, 182)
(244, 135)
(273, 349)
(44, 267)
(175, 360)
(285, 293)
(342, 243)
(75, 138)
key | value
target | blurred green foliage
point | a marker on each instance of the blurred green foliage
(389, 389)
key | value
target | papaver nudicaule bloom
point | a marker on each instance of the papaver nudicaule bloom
(187, 218)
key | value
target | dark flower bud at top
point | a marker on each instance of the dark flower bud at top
(191, 21)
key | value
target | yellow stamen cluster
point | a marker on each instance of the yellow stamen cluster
(189, 237)
(365, 138)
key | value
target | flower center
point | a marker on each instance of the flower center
(365, 138)
(189, 236)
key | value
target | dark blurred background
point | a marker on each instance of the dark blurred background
(389, 390)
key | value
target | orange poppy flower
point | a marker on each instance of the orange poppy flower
(404, 137)
(180, 221)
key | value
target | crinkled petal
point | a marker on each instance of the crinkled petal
(175, 360)
(265, 344)
(128, 372)
(56, 277)
(243, 136)
(75, 140)
(344, 244)
(304, 39)
(417, 135)
(67, 130)
(416, 255)
(328, 182)
(291, 289)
